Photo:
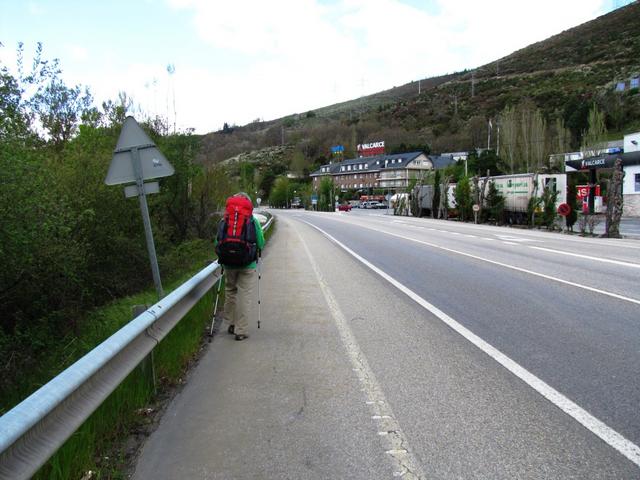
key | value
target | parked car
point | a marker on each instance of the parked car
(344, 207)
(374, 204)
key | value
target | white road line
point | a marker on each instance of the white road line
(403, 461)
(516, 239)
(506, 265)
(510, 243)
(546, 236)
(595, 259)
(599, 428)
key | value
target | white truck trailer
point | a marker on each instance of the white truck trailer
(518, 189)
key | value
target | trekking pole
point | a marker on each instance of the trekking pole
(259, 275)
(215, 308)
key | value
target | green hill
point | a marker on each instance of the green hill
(561, 77)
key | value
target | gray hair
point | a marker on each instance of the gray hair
(243, 194)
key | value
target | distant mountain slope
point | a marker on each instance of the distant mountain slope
(562, 76)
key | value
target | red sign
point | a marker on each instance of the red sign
(371, 149)
(583, 191)
(564, 209)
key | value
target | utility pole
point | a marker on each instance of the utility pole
(419, 85)
(473, 84)
(171, 70)
(282, 132)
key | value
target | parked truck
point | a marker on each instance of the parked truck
(518, 189)
(421, 200)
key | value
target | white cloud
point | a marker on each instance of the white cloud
(303, 54)
(36, 9)
(269, 59)
(78, 53)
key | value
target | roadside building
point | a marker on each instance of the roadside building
(630, 158)
(388, 172)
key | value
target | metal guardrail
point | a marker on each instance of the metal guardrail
(36, 428)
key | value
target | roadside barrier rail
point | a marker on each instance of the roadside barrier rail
(36, 428)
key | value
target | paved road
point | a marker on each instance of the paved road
(423, 348)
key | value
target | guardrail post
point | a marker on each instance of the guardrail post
(149, 359)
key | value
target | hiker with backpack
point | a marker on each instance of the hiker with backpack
(238, 242)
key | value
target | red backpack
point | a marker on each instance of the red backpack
(236, 240)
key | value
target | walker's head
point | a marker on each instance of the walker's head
(242, 194)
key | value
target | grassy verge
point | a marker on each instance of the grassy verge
(112, 421)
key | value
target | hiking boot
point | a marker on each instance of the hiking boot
(231, 330)
(239, 338)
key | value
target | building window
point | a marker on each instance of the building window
(342, 169)
(551, 184)
(635, 82)
(637, 177)
(366, 165)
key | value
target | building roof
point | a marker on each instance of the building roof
(604, 161)
(375, 163)
(333, 168)
(441, 161)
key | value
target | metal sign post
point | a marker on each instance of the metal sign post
(144, 208)
(136, 159)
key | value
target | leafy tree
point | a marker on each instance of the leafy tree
(68, 242)
(463, 198)
(509, 128)
(455, 171)
(436, 195)
(549, 197)
(60, 109)
(576, 118)
(280, 193)
(325, 200)
(488, 161)
(247, 177)
(495, 204)
(177, 195)
(593, 141)
(298, 163)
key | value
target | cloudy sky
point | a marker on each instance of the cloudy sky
(240, 60)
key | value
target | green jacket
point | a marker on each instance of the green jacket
(259, 243)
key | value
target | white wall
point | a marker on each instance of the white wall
(631, 197)
(629, 184)
(629, 146)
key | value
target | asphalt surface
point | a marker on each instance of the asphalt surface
(345, 357)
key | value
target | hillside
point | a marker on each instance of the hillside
(561, 77)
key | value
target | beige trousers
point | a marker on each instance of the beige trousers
(239, 298)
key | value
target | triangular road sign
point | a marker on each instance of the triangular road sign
(153, 162)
